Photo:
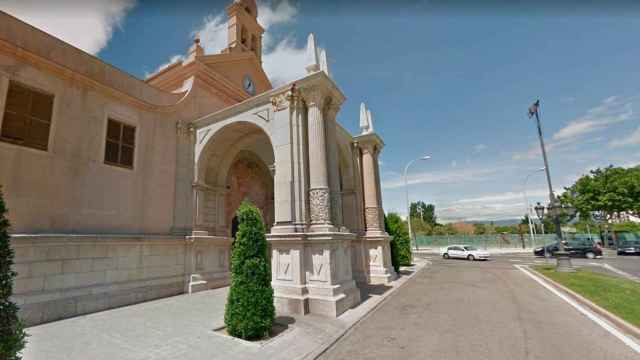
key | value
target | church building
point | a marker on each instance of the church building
(122, 191)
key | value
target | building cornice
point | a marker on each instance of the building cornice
(318, 79)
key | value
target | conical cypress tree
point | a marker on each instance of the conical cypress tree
(400, 241)
(250, 312)
(12, 335)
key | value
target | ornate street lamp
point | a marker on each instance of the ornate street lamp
(406, 188)
(539, 208)
(563, 259)
(600, 217)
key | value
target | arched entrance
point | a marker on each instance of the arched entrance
(248, 179)
(234, 166)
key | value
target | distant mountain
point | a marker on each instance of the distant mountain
(504, 222)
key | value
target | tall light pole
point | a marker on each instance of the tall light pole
(526, 201)
(563, 259)
(406, 188)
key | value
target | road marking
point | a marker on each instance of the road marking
(619, 272)
(612, 330)
(514, 260)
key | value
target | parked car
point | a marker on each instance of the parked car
(628, 244)
(576, 247)
(465, 252)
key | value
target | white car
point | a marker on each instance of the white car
(464, 252)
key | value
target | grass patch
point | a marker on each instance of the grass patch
(618, 296)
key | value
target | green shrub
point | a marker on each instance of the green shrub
(250, 312)
(12, 335)
(400, 242)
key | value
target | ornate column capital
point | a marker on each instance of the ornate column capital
(314, 95)
(286, 99)
(332, 110)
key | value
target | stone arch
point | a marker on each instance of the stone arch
(234, 164)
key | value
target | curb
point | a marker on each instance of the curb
(616, 321)
(324, 347)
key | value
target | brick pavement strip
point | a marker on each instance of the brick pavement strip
(181, 327)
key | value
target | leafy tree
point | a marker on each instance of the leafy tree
(479, 229)
(12, 335)
(400, 242)
(250, 312)
(425, 213)
(612, 190)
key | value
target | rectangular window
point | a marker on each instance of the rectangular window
(27, 117)
(120, 144)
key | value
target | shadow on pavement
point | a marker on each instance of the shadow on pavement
(367, 291)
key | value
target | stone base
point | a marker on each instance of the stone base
(311, 273)
(378, 253)
(65, 275)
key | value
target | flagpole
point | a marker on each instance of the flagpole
(563, 260)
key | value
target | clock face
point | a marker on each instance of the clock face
(248, 85)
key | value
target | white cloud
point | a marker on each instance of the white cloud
(611, 111)
(441, 177)
(213, 33)
(633, 139)
(87, 24)
(285, 62)
(487, 207)
(489, 198)
(282, 60)
(479, 148)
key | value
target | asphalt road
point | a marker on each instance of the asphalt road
(456, 309)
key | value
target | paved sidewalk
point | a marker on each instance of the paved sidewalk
(181, 327)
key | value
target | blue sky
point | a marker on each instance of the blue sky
(453, 82)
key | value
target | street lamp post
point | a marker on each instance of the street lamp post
(526, 201)
(563, 260)
(406, 188)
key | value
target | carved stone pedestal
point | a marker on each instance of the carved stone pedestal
(311, 273)
(377, 253)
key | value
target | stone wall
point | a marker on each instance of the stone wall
(67, 275)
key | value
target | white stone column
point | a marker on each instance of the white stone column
(372, 203)
(319, 194)
(334, 166)
(376, 241)
(290, 177)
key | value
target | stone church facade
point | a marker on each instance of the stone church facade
(122, 191)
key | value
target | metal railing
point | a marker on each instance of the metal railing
(495, 241)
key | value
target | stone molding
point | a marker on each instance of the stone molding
(372, 216)
(319, 202)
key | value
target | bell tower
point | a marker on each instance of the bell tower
(245, 34)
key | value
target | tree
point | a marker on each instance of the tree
(250, 312)
(12, 335)
(400, 242)
(479, 229)
(426, 213)
(612, 190)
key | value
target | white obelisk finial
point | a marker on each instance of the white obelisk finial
(370, 120)
(324, 65)
(313, 63)
(364, 119)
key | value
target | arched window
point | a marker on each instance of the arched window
(243, 36)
